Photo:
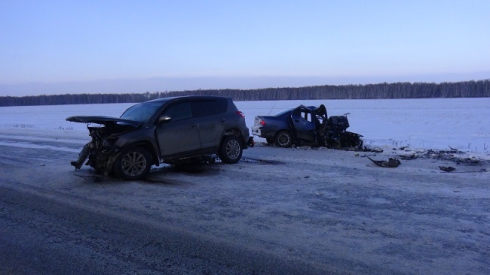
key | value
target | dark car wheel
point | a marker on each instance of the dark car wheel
(132, 164)
(231, 150)
(323, 140)
(284, 139)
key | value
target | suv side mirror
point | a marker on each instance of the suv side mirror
(164, 119)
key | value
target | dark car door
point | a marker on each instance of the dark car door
(304, 127)
(180, 134)
(210, 115)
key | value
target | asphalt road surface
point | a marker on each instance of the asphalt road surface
(278, 211)
(44, 236)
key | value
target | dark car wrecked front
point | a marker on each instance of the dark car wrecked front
(106, 141)
(306, 125)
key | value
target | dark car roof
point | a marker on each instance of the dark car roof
(176, 98)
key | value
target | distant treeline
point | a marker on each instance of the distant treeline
(370, 91)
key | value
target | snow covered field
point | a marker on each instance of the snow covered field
(459, 123)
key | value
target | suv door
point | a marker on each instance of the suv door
(181, 133)
(210, 115)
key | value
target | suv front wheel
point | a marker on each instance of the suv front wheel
(231, 150)
(133, 164)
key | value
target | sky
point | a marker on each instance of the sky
(59, 47)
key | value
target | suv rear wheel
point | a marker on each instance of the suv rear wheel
(231, 150)
(132, 164)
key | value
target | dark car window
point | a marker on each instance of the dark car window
(141, 112)
(222, 105)
(205, 108)
(179, 111)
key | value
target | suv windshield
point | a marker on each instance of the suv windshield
(141, 112)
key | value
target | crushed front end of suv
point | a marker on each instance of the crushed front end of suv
(165, 130)
(306, 125)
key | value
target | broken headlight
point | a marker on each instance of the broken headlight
(108, 143)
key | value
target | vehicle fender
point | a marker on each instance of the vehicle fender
(148, 145)
(234, 132)
(274, 126)
(286, 130)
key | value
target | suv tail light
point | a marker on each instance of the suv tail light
(240, 114)
(262, 122)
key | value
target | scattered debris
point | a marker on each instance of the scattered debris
(452, 155)
(459, 157)
(391, 163)
(374, 150)
(408, 157)
(447, 168)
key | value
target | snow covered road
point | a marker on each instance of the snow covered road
(302, 210)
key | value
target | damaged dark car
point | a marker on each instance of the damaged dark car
(165, 130)
(306, 125)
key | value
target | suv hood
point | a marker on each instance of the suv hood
(104, 120)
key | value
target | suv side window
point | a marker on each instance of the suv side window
(222, 105)
(179, 111)
(205, 108)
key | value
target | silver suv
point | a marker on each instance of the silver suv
(166, 130)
